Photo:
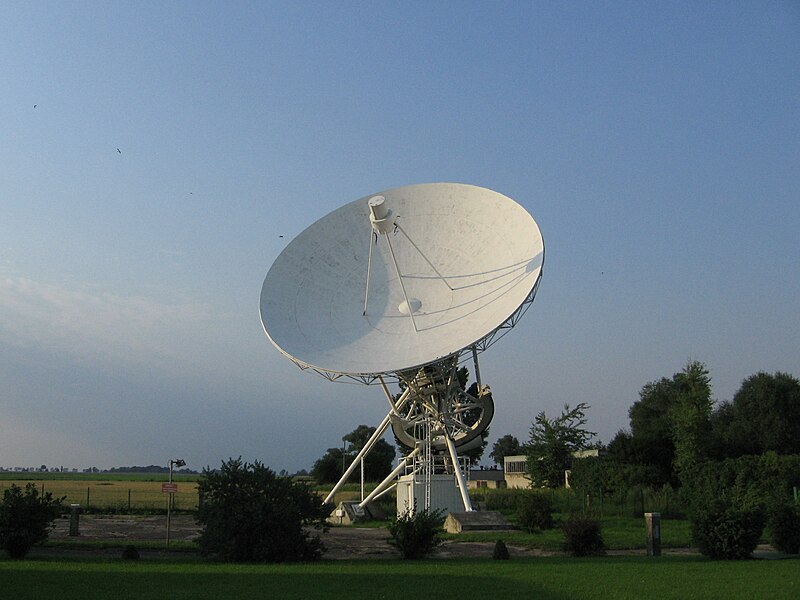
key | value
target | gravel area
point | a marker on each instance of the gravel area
(340, 542)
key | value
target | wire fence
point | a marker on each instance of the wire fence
(116, 496)
(632, 502)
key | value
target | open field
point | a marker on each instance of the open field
(552, 578)
(130, 491)
(114, 494)
(38, 476)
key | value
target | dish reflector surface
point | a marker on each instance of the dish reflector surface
(485, 246)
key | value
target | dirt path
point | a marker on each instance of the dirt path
(340, 542)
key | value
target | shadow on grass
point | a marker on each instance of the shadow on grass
(87, 580)
(551, 578)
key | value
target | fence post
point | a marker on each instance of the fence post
(129, 499)
(74, 512)
(653, 523)
(87, 497)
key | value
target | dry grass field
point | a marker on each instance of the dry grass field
(113, 495)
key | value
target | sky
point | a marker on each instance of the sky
(155, 159)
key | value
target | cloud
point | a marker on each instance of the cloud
(96, 328)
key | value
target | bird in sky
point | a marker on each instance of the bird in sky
(35, 105)
(118, 150)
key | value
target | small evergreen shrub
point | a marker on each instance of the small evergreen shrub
(130, 553)
(724, 531)
(583, 537)
(26, 518)
(500, 551)
(784, 525)
(535, 512)
(416, 533)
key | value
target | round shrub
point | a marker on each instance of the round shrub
(724, 531)
(415, 534)
(500, 551)
(250, 514)
(535, 512)
(26, 517)
(784, 524)
(583, 537)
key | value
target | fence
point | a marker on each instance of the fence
(116, 496)
(632, 502)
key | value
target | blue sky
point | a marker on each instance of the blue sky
(656, 144)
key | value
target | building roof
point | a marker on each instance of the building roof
(486, 474)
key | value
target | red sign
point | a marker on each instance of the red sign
(169, 487)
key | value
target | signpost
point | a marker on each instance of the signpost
(170, 488)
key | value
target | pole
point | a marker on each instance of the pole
(462, 484)
(387, 482)
(169, 504)
(362, 479)
(367, 447)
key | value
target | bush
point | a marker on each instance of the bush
(746, 480)
(583, 537)
(249, 514)
(722, 530)
(502, 499)
(784, 524)
(415, 534)
(26, 518)
(130, 553)
(500, 551)
(535, 512)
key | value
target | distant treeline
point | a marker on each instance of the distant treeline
(150, 469)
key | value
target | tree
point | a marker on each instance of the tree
(507, 445)
(651, 441)
(670, 425)
(690, 417)
(26, 518)
(553, 442)
(330, 467)
(377, 464)
(249, 514)
(764, 416)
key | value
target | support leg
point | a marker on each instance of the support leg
(462, 483)
(402, 285)
(422, 254)
(360, 456)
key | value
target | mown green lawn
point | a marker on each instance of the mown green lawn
(619, 533)
(552, 578)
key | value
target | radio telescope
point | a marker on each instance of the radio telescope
(402, 287)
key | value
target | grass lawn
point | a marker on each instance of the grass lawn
(542, 578)
(619, 533)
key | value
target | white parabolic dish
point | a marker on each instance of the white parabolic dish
(486, 247)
